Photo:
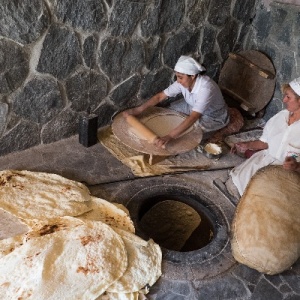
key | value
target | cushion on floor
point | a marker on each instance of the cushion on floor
(236, 122)
(266, 225)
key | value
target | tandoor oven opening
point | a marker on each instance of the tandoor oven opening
(176, 222)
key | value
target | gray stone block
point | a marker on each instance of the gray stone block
(227, 37)
(60, 127)
(24, 135)
(89, 51)
(39, 101)
(23, 21)
(3, 117)
(265, 290)
(126, 92)
(60, 54)
(166, 16)
(86, 89)
(120, 59)
(105, 111)
(184, 42)
(214, 16)
(155, 82)
(244, 10)
(262, 24)
(14, 66)
(197, 11)
(125, 17)
(88, 15)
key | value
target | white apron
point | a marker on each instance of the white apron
(283, 140)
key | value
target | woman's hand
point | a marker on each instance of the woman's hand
(239, 147)
(132, 111)
(162, 141)
(251, 145)
(290, 163)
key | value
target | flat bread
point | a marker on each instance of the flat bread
(38, 195)
(161, 124)
(69, 257)
(10, 225)
(10, 244)
(120, 296)
(64, 262)
(109, 213)
(37, 228)
(144, 264)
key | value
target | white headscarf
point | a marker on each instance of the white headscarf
(295, 85)
(187, 65)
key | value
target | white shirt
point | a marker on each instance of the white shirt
(281, 137)
(283, 140)
(205, 98)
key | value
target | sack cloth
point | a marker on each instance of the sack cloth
(143, 165)
(266, 225)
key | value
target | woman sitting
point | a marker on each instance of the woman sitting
(279, 143)
(203, 101)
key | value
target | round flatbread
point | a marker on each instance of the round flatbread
(37, 195)
(120, 296)
(160, 121)
(64, 262)
(10, 225)
(109, 213)
(37, 228)
(10, 244)
(144, 264)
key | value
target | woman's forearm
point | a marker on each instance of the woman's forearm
(257, 145)
(153, 100)
(251, 145)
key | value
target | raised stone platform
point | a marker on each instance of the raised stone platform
(199, 275)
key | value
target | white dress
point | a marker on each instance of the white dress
(283, 140)
(205, 98)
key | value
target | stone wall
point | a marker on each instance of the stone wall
(275, 31)
(61, 58)
(268, 2)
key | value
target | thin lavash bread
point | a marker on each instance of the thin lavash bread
(144, 264)
(115, 215)
(266, 225)
(38, 195)
(69, 259)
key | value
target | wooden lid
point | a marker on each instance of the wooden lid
(248, 77)
(160, 121)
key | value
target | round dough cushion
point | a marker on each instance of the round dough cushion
(266, 225)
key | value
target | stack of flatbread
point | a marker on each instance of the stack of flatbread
(59, 242)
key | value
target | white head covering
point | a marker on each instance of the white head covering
(187, 65)
(295, 85)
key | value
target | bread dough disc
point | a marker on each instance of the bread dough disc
(161, 121)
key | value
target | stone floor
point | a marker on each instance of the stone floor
(188, 276)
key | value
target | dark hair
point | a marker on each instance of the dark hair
(200, 73)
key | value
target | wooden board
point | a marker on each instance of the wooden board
(248, 77)
(155, 118)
